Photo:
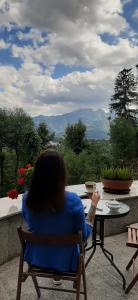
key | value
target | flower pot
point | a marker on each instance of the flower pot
(116, 185)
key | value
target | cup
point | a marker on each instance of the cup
(90, 186)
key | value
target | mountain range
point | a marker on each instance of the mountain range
(96, 122)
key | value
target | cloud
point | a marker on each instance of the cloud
(73, 37)
(85, 50)
(135, 14)
(3, 45)
(32, 88)
(34, 35)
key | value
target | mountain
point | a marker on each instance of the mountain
(95, 121)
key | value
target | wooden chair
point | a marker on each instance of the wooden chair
(34, 272)
(132, 242)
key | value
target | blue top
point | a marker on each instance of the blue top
(69, 221)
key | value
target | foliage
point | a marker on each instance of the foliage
(123, 139)
(116, 173)
(87, 165)
(23, 181)
(75, 137)
(19, 143)
(44, 134)
(125, 96)
(22, 132)
(32, 146)
(4, 137)
(79, 168)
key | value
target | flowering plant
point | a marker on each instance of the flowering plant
(23, 181)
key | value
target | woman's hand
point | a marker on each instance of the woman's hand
(95, 197)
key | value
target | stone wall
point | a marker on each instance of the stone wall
(118, 225)
(9, 241)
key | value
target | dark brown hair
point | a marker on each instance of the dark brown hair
(47, 188)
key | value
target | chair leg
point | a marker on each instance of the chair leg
(84, 282)
(19, 283)
(36, 286)
(132, 283)
(19, 286)
(78, 288)
(131, 260)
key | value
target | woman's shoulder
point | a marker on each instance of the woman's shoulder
(73, 201)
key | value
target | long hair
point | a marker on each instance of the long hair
(47, 188)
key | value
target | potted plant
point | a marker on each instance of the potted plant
(116, 180)
(23, 181)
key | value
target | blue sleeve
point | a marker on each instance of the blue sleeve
(24, 208)
(24, 205)
(79, 220)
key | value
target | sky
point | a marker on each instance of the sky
(59, 56)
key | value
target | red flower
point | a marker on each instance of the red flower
(28, 166)
(20, 180)
(22, 170)
(13, 194)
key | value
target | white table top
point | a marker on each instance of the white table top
(9, 207)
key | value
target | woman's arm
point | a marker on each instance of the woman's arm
(80, 222)
(95, 197)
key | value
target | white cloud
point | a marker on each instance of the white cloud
(126, 1)
(73, 38)
(8, 76)
(135, 14)
(34, 34)
(32, 88)
(3, 45)
(84, 50)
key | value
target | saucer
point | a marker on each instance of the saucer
(88, 191)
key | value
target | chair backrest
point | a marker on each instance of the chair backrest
(50, 240)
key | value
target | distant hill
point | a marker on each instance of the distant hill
(95, 121)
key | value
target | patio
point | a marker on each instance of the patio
(103, 283)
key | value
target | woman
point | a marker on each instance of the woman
(48, 209)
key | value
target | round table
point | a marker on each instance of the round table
(103, 213)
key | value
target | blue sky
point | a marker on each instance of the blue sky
(55, 58)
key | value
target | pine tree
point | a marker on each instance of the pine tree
(75, 136)
(125, 98)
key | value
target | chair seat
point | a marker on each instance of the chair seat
(135, 225)
(133, 236)
(132, 242)
(51, 272)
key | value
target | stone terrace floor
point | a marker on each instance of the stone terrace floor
(103, 283)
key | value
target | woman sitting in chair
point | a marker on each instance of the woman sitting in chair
(49, 209)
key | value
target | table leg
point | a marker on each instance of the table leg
(105, 251)
(93, 246)
(90, 257)
(113, 264)
(102, 239)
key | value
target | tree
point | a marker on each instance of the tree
(125, 97)
(32, 144)
(75, 136)
(44, 134)
(21, 131)
(4, 131)
(123, 139)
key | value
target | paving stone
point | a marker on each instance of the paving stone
(103, 282)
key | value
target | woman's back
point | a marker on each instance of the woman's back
(68, 221)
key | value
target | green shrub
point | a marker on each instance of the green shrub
(116, 173)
